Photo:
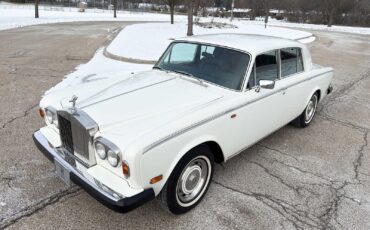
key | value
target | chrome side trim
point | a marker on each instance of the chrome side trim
(245, 148)
(190, 127)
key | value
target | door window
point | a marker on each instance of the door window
(265, 68)
(291, 61)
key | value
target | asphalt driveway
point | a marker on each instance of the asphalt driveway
(313, 178)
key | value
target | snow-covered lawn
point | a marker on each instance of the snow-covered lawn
(15, 16)
(148, 41)
(19, 15)
(99, 68)
(342, 29)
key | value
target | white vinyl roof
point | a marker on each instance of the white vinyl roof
(253, 44)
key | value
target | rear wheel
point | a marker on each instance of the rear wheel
(189, 181)
(308, 114)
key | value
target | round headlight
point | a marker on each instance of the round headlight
(113, 158)
(100, 150)
(49, 116)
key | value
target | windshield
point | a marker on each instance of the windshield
(221, 66)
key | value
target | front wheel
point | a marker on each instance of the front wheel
(308, 114)
(189, 181)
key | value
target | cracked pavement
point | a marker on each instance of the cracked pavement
(313, 178)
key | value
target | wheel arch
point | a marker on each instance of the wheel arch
(209, 141)
(318, 94)
(216, 150)
(214, 146)
(315, 90)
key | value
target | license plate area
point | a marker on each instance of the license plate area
(62, 172)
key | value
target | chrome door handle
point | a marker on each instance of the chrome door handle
(283, 91)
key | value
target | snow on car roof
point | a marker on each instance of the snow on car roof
(253, 44)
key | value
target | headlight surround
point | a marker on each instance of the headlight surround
(51, 116)
(106, 150)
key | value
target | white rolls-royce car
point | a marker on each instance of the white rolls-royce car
(159, 133)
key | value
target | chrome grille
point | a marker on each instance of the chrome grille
(81, 139)
(65, 131)
(76, 131)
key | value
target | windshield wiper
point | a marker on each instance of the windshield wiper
(190, 75)
(157, 67)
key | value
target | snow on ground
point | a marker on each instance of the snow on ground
(341, 29)
(100, 68)
(19, 15)
(148, 41)
(15, 16)
(142, 41)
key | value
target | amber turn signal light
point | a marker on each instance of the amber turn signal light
(42, 113)
(156, 179)
(125, 169)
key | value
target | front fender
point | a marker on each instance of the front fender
(164, 158)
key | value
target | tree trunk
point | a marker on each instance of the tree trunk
(331, 17)
(190, 18)
(114, 8)
(172, 11)
(265, 5)
(232, 10)
(36, 8)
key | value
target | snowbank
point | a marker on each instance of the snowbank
(148, 41)
(99, 68)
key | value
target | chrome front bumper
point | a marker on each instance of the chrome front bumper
(118, 204)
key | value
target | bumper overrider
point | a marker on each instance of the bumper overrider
(122, 205)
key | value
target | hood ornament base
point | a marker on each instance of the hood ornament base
(73, 101)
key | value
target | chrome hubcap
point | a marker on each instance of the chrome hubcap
(310, 109)
(193, 180)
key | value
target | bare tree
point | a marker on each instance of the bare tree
(171, 4)
(331, 8)
(36, 8)
(201, 5)
(190, 5)
(232, 10)
(114, 8)
(267, 11)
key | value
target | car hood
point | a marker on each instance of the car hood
(147, 100)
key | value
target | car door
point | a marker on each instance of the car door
(262, 111)
(295, 90)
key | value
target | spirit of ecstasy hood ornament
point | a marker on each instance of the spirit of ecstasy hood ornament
(73, 101)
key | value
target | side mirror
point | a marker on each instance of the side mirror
(265, 84)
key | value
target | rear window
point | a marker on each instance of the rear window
(291, 61)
